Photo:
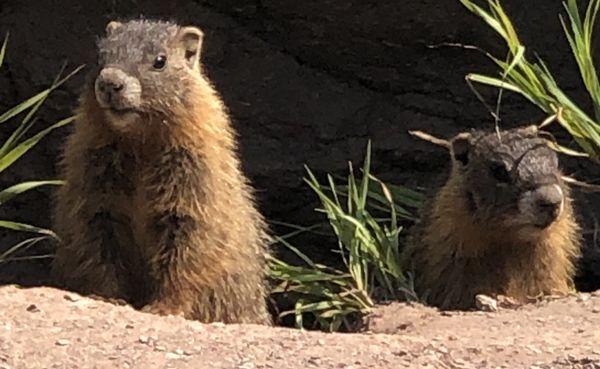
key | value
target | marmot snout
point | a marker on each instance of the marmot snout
(115, 90)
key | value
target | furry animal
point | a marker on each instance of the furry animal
(502, 224)
(155, 210)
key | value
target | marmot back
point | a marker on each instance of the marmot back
(155, 210)
(501, 224)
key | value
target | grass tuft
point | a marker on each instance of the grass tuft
(368, 245)
(17, 145)
(534, 81)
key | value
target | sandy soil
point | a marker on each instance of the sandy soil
(48, 328)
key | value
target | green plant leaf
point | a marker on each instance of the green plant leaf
(21, 227)
(22, 148)
(13, 191)
(3, 49)
(6, 256)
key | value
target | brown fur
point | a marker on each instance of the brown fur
(162, 217)
(456, 256)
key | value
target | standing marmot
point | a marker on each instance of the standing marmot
(502, 224)
(155, 210)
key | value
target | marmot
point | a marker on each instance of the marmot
(502, 224)
(155, 210)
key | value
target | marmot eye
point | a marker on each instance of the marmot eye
(499, 172)
(160, 62)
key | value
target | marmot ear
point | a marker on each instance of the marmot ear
(460, 147)
(191, 42)
(112, 25)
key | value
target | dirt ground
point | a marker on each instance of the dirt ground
(43, 328)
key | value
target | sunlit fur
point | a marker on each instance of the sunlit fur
(454, 255)
(187, 237)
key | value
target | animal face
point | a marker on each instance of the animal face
(144, 69)
(513, 180)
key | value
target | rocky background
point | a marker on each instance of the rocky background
(307, 82)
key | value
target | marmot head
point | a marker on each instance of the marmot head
(144, 69)
(512, 180)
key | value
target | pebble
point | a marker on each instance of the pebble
(172, 356)
(144, 339)
(71, 298)
(583, 297)
(33, 309)
(63, 342)
(486, 303)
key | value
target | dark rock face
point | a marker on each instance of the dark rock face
(306, 83)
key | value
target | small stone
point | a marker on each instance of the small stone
(321, 342)
(72, 298)
(583, 297)
(144, 339)
(179, 352)
(596, 310)
(172, 356)
(160, 348)
(533, 349)
(63, 342)
(129, 326)
(314, 361)
(486, 303)
(33, 309)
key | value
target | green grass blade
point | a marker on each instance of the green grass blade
(3, 49)
(21, 227)
(17, 189)
(21, 246)
(365, 180)
(17, 134)
(18, 109)
(26, 145)
(495, 82)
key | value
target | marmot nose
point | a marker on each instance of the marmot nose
(110, 85)
(110, 80)
(549, 203)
